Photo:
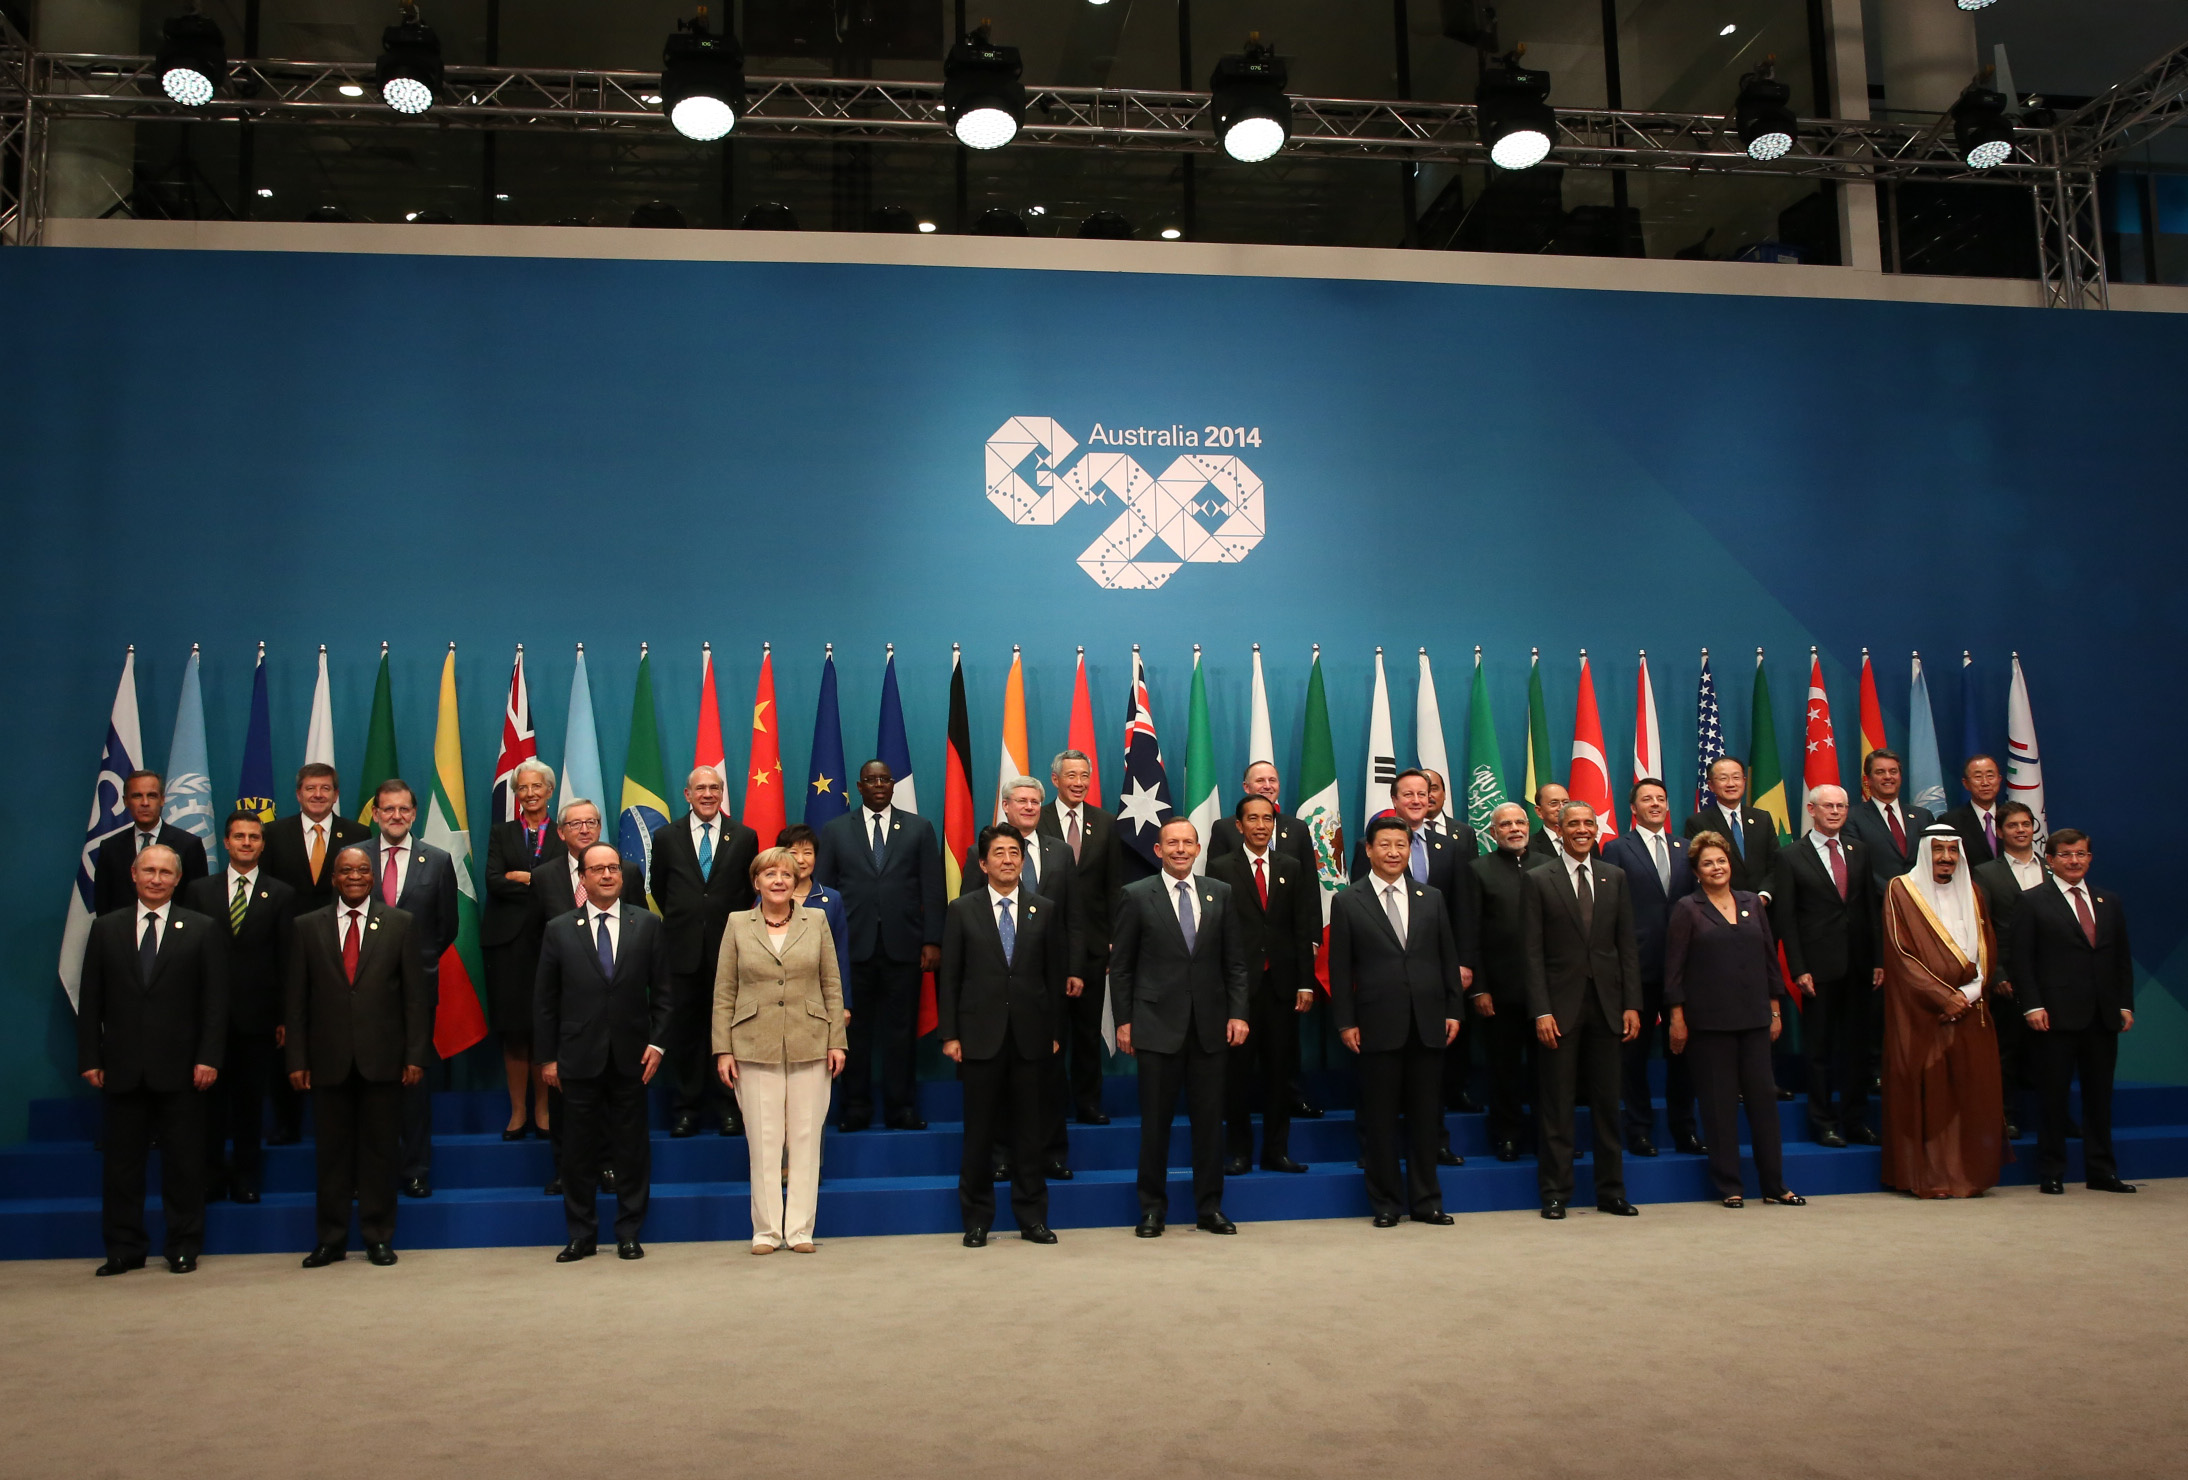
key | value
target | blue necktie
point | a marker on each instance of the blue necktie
(879, 842)
(1185, 916)
(1420, 859)
(607, 950)
(706, 850)
(1032, 869)
(1009, 933)
(148, 949)
(1739, 839)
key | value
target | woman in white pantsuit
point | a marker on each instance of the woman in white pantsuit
(778, 1041)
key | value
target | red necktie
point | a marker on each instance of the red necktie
(1261, 884)
(2089, 921)
(1899, 834)
(349, 948)
(1838, 867)
(388, 890)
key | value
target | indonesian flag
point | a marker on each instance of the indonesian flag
(706, 745)
(1648, 742)
(518, 744)
(1081, 737)
(1590, 778)
(765, 812)
(1820, 758)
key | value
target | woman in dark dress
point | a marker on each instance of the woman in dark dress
(1722, 986)
(510, 933)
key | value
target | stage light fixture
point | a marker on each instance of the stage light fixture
(350, 90)
(1515, 118)
(1762, 113)
(1171, 233)
(702, 80)
(1982, 134)
(1975, 4)
(1253, 114)
(983, 93)
(408, 72)
(192, 60)
(1106, 226)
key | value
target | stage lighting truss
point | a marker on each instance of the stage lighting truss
(702, 80)
(1763, 116)
(1982, 133)
(192, 61)
(1246, 99)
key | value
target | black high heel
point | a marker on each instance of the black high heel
(1735, 1202)
(1787, 1200)
(515, 1135)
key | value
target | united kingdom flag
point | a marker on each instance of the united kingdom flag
(1709, 734)
(1143, 805)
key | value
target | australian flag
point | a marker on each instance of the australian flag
(1709, 734)
(1143, 805)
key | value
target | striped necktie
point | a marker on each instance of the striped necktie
(237, 906)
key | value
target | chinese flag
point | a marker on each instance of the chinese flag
(764, 812)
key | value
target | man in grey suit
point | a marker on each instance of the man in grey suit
(1177, 983)
(600, 1010)
(419, 879)
(1584, 993)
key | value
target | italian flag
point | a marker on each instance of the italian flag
(1319, 808)
(459, 1021)
(1203, 797)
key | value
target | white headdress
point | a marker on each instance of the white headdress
(1953, 903)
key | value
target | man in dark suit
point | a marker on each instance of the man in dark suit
(1276, 906)
(299, 851)
(888, 867)
(1545, 842)
(1395, 997)
(702, 873)
(2004, 880)
(359, 1019)
(599, 1014)
(1178, 988)
(151, 1026)
(1292, 838)
(1888, 827)
(1976, 820)
(1498, 882)
(1006, 953)
(113, 884)
(1826, 917)
(1584, 993)
(2074, 981)
(258, 911)
(419, 879)
(1754, 835)
(1089, 834)
(1657, 876)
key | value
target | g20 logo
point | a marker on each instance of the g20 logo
(1202, 509)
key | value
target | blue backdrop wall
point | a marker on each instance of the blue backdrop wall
(219, 448)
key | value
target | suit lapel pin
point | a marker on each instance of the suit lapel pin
(372, 925)
(1031, 910)
(1279, 878)
(178, 923)
(1207, 899)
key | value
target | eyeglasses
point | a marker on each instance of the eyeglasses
(605, 869)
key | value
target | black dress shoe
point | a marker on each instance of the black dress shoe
(733, 1125)
(1785, 1096)
(1507, 1151)
(1617, 1207)
(1150, 1226)
(1440, 1219)
(517, 1134)
(684, 1125)
(2052, 1185)
(1055, 1170)
(577, 1249)
(182, 1263)
(325, 1255)
(976, 1237)
(1214, 1223)
(1092, 1117)
(1553, 1209)
(1640, 1146)
(245, 1195)
(1301, 1110)
(1281, 1164)
(1004, 1171)
(552, 1189)
(416, 1187)
(1446, 1157)
(1686, 1143)
(607, 1179)
(855, 1120)
(1466, 1104)
(2013, 1132)
(629, 1248)
(1824, 1135)
(1037, 1233)
(906, 1121)
(119, 1266)
(1236, 1166)
(381, 1254)
(1386, 1220)
(2109, 1184)
(1861, 1135)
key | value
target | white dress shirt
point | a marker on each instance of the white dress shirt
(866, 816)
(1822, 845)
(1399, 889)
(2029, 873)
(1576, 869)
(593, 916)
(1064, 813)
(1892, 811)
(401, 853)
(720, 824)
(249, 882)
(144, 909)
(1190, 909)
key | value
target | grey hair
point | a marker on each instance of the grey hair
(1502, 808)
(1022, 783)
(537, 767)
(563, 816)
(1056, 766)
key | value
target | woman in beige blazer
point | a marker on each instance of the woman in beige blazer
(778, 1041)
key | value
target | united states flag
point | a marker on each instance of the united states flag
(1709, 733)
(1143, 805)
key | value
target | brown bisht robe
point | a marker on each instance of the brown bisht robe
(1944, 1117)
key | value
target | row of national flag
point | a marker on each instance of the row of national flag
(1145, 800)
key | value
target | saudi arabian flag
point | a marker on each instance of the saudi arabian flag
(1765, 776)
(1318, 806)
(644, 784)
(458, 1020)
(1484, 763)
(380, 762)
(1540, 765)
(1203, 798)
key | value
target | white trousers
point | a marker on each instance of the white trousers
(784, 1104)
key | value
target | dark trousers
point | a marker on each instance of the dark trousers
(288, 1103)
(1408, 1082)
(695, 1089)
(604, 1117)
(1726, 1067)
(1007, 1099)
(1200, 1072)
(358, 1127)
(1634, 1072)
(135, 1119)
(1508, 1043)
(2060, 1055)
(1051, 1110)
(235, 1109)
(1270, 1055)
(1584, 1064)
(884, 1026)
(2016, 1065)
(417, 1120)
(1083, 1044)
(1834, 1043)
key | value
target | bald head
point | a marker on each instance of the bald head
(353, 875)
(1827, 809)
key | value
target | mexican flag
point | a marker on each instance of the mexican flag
(1203, 797)
(1319, 808)
(1765, 776)
(459, 1021)
(1484, 763)
(380, 762)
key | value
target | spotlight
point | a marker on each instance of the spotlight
(350, 90)
(265, 192)
(702, 80)
(409, 69)
(1106, 226)
(1730, 27)
(1766, 124)
(1982, 136)
(1171, 233)
(1974, 4)
(1246, 94)
(1516, 121)
(926, 227)
(193, 59)
(982, 93)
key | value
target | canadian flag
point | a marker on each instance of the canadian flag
(1820, 757)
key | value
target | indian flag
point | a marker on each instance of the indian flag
(459, 1021)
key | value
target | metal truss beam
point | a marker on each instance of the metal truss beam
(15, 116)
(2147, 103)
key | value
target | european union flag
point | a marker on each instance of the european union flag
(827, 795)
(255, 787)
